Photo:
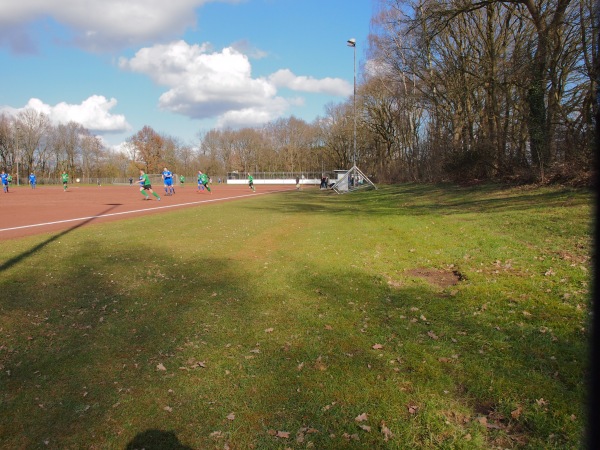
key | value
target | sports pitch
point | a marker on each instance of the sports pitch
(27, 211)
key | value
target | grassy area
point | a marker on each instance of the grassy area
(430, 316)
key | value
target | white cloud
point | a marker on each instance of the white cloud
(104, 24)
(93, 114)
(206, 84)
(333, 86)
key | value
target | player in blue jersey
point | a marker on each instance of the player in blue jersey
(4, 178)
(32, 180)
(168, 181)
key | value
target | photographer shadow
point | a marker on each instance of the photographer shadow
(156, 440)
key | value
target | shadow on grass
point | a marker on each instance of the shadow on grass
(417, 200)
(156, 440)
(87, 333)
(16, 259)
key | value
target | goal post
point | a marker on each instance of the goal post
(353, 180)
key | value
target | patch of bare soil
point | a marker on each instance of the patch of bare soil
(440, 278)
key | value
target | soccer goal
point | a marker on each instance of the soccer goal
(353, 180)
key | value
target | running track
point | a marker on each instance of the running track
(25, 211)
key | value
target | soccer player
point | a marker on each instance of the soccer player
(182, 180)
(146, 186)
(168, 181)
(251, 182)
(65, 180)
(203, 181)
(32, 180)
(4, 178)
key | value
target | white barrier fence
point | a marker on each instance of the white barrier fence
(277, 181)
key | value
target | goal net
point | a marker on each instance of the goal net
(353, 180)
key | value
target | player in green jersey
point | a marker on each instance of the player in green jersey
(146, 186)
(203, 181)
(65, 180)
(251, 182)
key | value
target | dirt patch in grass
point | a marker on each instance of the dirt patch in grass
(440, 278)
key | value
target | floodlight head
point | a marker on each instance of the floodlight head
(351, 42)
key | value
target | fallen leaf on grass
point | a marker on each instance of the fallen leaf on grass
(231, 416)
(328, 407)
(387, 433)
(517, 412)
(279, 434)
(269, 330)
(351, 436)
(362, 417)
(320, 365)
(366, 428)
(432, 335)
(161, 367)
(377, 347)
(412, 409)
(192, 363)
(168, 409)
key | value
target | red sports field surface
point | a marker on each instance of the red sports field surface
(25, 211)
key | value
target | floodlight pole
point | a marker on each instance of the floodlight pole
(352, 43)
(18, 156)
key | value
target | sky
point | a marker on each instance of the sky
(182, 67)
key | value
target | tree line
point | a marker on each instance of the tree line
(450, 90)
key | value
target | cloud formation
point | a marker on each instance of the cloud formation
(100, 25)
(332, 86)
(199, 82)
(93, 114)
(203, 84)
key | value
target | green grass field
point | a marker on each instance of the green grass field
(411, 316)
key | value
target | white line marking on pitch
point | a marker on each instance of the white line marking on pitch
(79, 219)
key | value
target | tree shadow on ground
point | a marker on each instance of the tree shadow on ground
(11, 262)
(413, 200)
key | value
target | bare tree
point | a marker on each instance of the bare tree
(149, 147)
(32, 128)
(484, 69)
(7, 141)
(92, 155)
(337, 134)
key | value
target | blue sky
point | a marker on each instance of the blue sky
(179, 66)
